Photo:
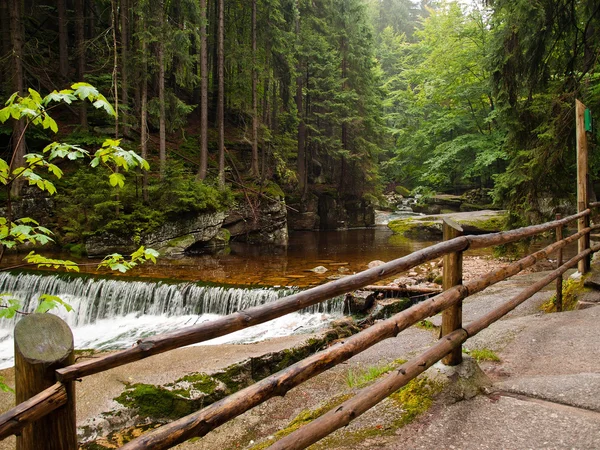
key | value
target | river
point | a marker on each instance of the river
(112, 312)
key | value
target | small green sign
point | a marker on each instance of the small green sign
(588, 120)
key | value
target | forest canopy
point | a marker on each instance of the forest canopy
(352, 96)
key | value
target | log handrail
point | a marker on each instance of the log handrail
(368, 397)
(38, 406)
(260, 314)
(211, 417)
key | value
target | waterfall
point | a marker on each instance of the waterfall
(112, 313)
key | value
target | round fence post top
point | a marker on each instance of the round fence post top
(453, 224)
(43, 338)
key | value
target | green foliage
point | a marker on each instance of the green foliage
(89, 202)
(440, 107)
(360, 378)
(33, 109)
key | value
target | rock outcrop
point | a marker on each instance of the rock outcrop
(172, 238)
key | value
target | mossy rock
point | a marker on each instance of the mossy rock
(416, 229)
(490, 224)
(155, 402)
(402, 191)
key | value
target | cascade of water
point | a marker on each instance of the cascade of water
(96, 299)
(111, 314)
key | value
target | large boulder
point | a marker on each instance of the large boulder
(172, 238)
(262, 223)
(303, 214)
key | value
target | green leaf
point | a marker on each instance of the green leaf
(104, 104)
(49, 122)
(117, 179)
(48, 302)
(85, 91)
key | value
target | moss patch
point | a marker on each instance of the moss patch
(427, 325)
(571, 290)
(402, 191)
(415, 398)
(488, 225)
(482, 354)
(302, 419)
(155, 402)
(414, 228)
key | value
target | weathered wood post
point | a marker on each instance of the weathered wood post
(559, 262)
(44, 343)
(452, 276)
(582, 183)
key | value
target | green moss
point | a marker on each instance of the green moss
(200, 382)
(482, 354)
(571, 290)
(402, 191)
(358, 377)
(182, 241)
(415, 228)
(490, 225)
(302, 419)
(426, 325)
(155, 402)
(415, 398)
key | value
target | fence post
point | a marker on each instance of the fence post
(44, 343)
(452, 276)
(582, 183)
(559, 262)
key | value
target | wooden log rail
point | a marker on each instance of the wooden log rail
(209, 418)
(368, 397)
(260, 314)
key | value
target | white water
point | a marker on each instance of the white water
(112, 314)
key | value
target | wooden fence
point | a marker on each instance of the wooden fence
(45, 376)
(57, 396)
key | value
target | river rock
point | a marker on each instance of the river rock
(376, 263)
(318, 269)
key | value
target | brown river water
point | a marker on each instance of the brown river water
(340, 252)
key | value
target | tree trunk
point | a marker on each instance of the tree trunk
(301, 126)
(63, 40)
(161, 96)
(203, 93)
(221, 93)
(254, 166)
(80, 38)
(18, 137)
(115, 72)
(6, 43)
(124, 66)
(144, 107)
(344, 124)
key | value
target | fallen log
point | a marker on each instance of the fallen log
(407, 289)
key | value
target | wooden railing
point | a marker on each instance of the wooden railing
(48, 404)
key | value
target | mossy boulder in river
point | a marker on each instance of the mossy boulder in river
(430, 227)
